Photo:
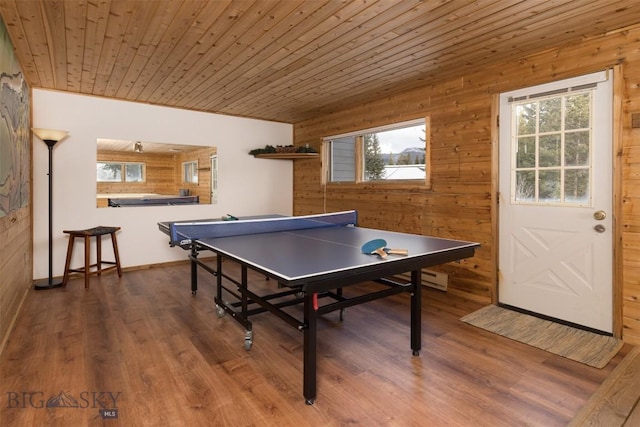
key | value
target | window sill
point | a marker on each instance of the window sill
(403, 185)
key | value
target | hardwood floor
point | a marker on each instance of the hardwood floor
(616, 401)
(143, 345)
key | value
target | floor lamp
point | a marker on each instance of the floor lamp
(50, 137)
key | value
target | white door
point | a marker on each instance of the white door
(555, 204)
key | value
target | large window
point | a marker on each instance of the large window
(120, 172)
(388, 153)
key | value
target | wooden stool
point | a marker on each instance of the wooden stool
(96, 232)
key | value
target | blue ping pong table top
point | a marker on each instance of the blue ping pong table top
(300, 254)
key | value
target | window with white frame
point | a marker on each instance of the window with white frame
(383, 154)
(190, 172)
(214, 179)
(552, 157)
(120, 172)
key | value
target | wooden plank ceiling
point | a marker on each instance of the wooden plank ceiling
(284, 60)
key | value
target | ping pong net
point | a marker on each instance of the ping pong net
(183, 233)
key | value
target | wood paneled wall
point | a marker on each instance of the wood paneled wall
(16, 266)
(160, 173)
(461, 202)
(203, 187)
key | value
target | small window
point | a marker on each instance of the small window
(134, 172)
(343, 159)
(389, 153)
(120, 172)
(190, 172)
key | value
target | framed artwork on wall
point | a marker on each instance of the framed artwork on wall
(15, 118)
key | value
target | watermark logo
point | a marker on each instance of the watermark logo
(62, 400)
(106, 402)
(107, 414)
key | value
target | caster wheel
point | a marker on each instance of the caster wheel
(248, 340)
(220, 311)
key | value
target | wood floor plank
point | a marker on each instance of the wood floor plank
(616, 399)
(634, 417)
(165, 358)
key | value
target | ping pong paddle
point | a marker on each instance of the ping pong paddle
(375, 246)
(378, 246)
(229, 217)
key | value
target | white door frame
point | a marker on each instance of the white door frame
(618, 90)
(213, 183)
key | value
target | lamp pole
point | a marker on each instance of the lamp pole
(50, 137)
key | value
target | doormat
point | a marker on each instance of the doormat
(576, 344)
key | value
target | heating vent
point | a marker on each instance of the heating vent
(432, 279)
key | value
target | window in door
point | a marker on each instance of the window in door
(552, 157)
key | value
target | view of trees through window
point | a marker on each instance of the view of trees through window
(391, 153)
(553, 149)
(120, 172)
(395, 154)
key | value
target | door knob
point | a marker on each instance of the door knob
(599, 228)
(599, 215)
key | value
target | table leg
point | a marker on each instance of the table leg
(87, 260)
(99, 254)
(194, 269)
(310, 348)
(219, 279)
(244, 301)
(244, 304)
(67, 263)
(416, 312)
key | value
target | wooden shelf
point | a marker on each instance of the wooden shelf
(286, 156)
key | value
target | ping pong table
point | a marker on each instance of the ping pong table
(312, 258)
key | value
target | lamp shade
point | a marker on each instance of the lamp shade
(50, 134)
